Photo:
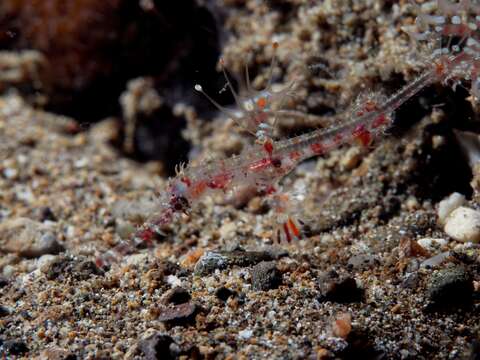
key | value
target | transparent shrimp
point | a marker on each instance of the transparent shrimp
(256, 111)
(264, 164)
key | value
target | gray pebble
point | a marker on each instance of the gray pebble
(451, 286)
(265, 276)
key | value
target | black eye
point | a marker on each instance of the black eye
(179, 203)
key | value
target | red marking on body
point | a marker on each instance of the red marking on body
(295, 155)
(270, 190)
(360, 113)
(261, 102)
(268, 146)
(439, 68)
(198, 188)
(260, 164)
(219, 181)
(379, 121)
(186, 181)
(317, 148)
(294, 228)
(287, 232)
(361, 134)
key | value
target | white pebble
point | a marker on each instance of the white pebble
(463, 224)
(447, 205)
(245, 334)
(432, 244)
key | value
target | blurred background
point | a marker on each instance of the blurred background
(135, 61)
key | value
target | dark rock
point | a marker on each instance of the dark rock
(247, 258)
(15, 347)
(266, 276)
(211, 260)
(178, 315)
(361, 345)
(340, 289)
(3, 282)
(224, 293)
(64, 267)
(44, 213)
(167, 267)
(4, 311)
(410, 280)
(158, 346)
(176, 296)
(451, 286)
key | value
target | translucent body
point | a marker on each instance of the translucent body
(264, 164)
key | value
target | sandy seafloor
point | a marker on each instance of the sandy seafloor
(359, 285)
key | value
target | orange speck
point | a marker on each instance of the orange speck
(262, 102)
(342, 326)
(370, 106)
(293, 227)
(198, 188)
(439, 68)
(275, 45)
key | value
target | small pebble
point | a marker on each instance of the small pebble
(28, 238)
(209, 262)
(361, 261)
(178, 315)
(463, 224)
(224, 293)
(245, 334)
(177, 295)
(265, 276)
(342, 325)
(450, 286)
(15, 347)
(158, 346)
(4, 311)
(340, 289)
(432, 244)
(447, 205)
